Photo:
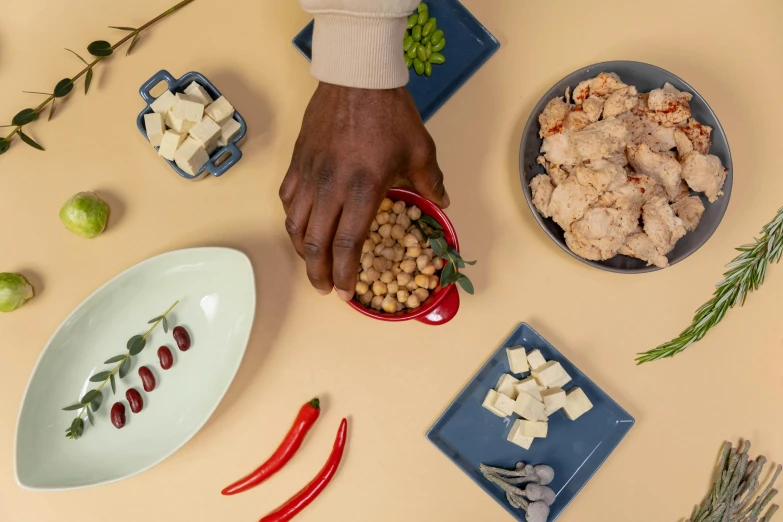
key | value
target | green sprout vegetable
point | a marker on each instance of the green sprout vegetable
(85, 214)
(14, 291)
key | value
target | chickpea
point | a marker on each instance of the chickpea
(387, 277)
(386, 204)
(412, 285)
(362, 287)
(422, 261)
(382, 218)
(385, 230)
(389, 304)
(371, 275)
(374, 226)
(434, 282)
(428, 252)
(367, 260)
(418, 235)
(428, 270)
(397, 232)
(414, 213)
(410, 240)
(413, 301)
(398, 207)
(378, 249)
(366, 298)
(421, 293)
(399, 253)
(387, 264)
(379, 288)
(396, 270)
(404, 278)
(422, 281)
(376, 302)
(392, 287)
(413, 252)
(388, 253)
(367, 246)
(392, 218)
(437, 262)
(404, 221)
(402, 295)
(388, 242)
(378, 264)
(408, 265)
(375, 237)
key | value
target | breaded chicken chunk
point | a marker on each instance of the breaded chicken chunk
(704, 174)
(600, 140)
(661, 224)
(552, 117)
(640, 246)
(668, 106)
(698, 134)
(620, 101)
(541, 187)
(569, 202)
(658, 165)
(690, 210)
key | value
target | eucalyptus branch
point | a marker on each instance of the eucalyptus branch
(91, 400)
(100, 49)
(746, 273)
(433, 231)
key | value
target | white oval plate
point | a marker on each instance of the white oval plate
(216, 292)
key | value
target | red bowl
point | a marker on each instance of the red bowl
(443, 303)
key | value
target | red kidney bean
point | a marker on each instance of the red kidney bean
(182, 337)
(147, 379)
(166, 359)
(118, 415)
(134, 399)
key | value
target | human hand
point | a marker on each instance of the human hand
(353, 146)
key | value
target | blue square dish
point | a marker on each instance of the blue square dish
(176, 85)
(470, 435)
(468, 46)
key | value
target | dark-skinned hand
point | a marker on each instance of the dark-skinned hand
(354, 145)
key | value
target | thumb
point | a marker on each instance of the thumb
(428, 181)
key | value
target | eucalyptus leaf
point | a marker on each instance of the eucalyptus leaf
(165, 325)
(124, 367)
(89, 396)
(87, 80)
(51, 109)
(436, 234)
(465, 283)
(447, 276)
(79, 57)
(121, 28)
(471, 263)
(96, 402)
(27, 139)
(430, 221)
(90, 417)
(100, 48)
(132, 44)
(24, 117)
(438, 248)
(63, 88)
(113, 385)
(77, 426)
(155, 320)
(116, 358)
(137, 346)
(4, 143)
(133, 340)
(459, 262)
(100, 376)
(73, 407)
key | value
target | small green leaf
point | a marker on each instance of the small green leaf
(447, 275)
(100, 376)
(155, 320)
(96, 402)
(121, 28)
(3, 145)
(24, 117)
(459, 262)
(437, 247)
(77, 427)
(89, 396)
(116, 358)
(63, 88)
(430, 221)
(165, 325)
(79, 57)
(51, 109)
(465, 283)
(90, 417)
(113, 386)
(27, 139)
(87, 80)
(436, 234)
(132, 44)
(73, 407)
(136, 344)
(471, 263)
(124, 367)
(100, 48)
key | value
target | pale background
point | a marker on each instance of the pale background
(393, 380)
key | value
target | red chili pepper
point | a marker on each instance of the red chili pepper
(302, 499)
(307, 416)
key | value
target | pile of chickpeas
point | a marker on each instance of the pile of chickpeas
(398, 269)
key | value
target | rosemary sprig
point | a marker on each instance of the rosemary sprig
(731, 497)
(100, 49)
(91, 400)
(746, 273)
(433, 231)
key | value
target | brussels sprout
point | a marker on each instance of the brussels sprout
(85, 214)
(14, 291)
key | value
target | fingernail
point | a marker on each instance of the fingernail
(323, 292)
(344, 295)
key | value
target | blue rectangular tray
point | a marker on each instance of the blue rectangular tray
(470, 435)
(468, 45)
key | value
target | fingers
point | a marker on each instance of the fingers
(321, 227)
(428, 180)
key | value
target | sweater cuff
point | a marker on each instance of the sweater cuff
(359, 51)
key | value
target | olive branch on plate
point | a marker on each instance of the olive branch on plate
(91, 401)
(433, 231)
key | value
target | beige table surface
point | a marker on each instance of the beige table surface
(392, 380)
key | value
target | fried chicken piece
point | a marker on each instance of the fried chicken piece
(635, 190)
(661, 225)
(600, 179)
(640, 246)
(576, 120)
(658, 165)
(551, 118)
(600, 140)
(698, 134)
(556, 174)
(542, 188)
(668, 106)
(684, 144)
(660, 139)
(600, 233)
(592, 107)
(638, 126)
(559, 150)
(684, 192)
(690, 210)
(618, 159)
(704, 173)
(605, 84)
(620, 101)
(569, 202)
(582, 91)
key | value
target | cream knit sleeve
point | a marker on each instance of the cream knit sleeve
(358, 43)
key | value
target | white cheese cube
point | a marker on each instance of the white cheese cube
(164, 103)
(530, 387)
(518, 439)
(489, 403)
(517, 360)
(191, 156)
(535, 359)
(220, 110)
(207, 133)
(577, 403)
(195, 90)
(506, 385)
(528, 408)
(153, 124)
(183, 96)
(170, 143)
(554, 399)
(535, 429)
(551, 375)
(186, 109)
(505, 404)
(228, 131)
(178, 124)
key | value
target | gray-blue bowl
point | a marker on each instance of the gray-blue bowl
(178, 85)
